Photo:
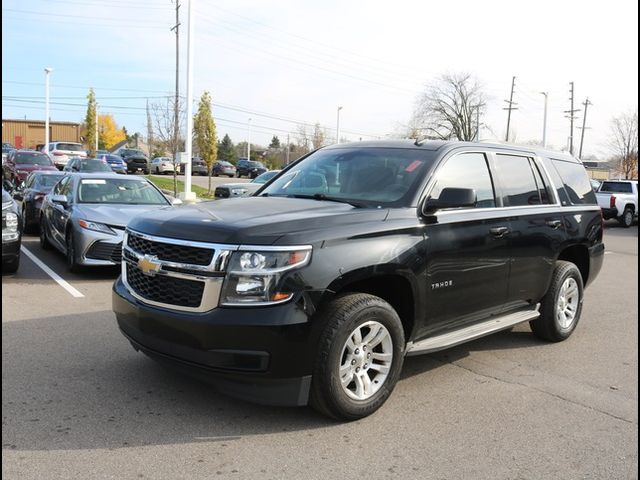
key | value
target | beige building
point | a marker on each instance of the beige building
(30, 133)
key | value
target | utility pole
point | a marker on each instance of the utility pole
(584, 125)
(338, 126)
(571, 116)
(477, 123)
(176, 105)
(544, 122)
(510, 107)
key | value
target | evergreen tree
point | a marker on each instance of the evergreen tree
(90, 121)
(275, 143)
(226, 150)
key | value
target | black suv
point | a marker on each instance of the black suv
(135, 159)
(314, 290)
(249, 168)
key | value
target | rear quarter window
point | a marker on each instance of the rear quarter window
(616, 187)
(576, 182)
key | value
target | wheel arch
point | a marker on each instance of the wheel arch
(392, 283)
(579, 256)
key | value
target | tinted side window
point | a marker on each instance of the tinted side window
(542, 187)
(467, 170)
(576, 182)
(518, 181)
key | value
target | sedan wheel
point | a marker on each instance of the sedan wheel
(72, 264)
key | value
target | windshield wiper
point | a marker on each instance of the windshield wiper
(322, 196)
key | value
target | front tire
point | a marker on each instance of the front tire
(44, 241)
(626, 219)
(72, 263)
(11, 266)
(360, 355)
(561, 307)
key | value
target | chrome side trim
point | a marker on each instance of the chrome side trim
(451, 339)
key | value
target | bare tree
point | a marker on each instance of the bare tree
(302, 139)
(319, 136)
(162, 116)
(624, 143)
(450, 108)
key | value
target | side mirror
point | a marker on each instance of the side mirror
(451, 198)
(60, 200)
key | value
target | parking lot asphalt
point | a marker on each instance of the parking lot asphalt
(79, 402)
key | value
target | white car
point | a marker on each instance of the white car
(162, 165)
(62, 152)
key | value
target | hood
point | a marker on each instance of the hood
(33, 168)
(116, 215)
(257, 221)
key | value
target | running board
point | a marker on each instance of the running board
(451, 339)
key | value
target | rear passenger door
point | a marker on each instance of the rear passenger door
(467, 248)
(536, 223)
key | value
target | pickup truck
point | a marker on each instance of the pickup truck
(619, 199)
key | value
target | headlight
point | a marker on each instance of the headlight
(95, 226)
(10, 230)
(254, 276)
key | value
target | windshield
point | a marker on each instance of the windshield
(375, 175)
(265, 177)
(71, 147)
(136, 191)
(616, 187)
(48, 180)
(32, 158)
(93, 166)
(132, 152)
(256, 164)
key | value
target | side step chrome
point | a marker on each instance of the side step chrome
(451, 339)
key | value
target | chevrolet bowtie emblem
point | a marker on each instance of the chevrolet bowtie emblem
(149, 265)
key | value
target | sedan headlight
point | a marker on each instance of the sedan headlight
(96, 227)
(10, 230)
(254, 276)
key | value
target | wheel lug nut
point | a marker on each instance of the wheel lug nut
(353, 362)
(364, 348)
(357, 351)
(357, 369)
(366, 365)
(368, 355)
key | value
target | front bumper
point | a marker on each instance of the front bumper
(11, 249)
(609, 213)
(98, 249)
(260, 354)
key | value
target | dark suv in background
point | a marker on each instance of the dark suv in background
(135, 159)
(314, 290)
(249, 168)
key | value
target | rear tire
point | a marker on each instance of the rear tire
(29, 227)
(561, 306)
(339, 388)
(626, 219)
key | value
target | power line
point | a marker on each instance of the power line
(68, 15)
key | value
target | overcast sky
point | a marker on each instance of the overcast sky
(284, 61)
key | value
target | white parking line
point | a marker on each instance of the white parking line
(61, 281)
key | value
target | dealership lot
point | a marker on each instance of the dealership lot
(79, 402)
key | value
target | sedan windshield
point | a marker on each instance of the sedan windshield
(136, 191)
(93, 165)
(354, 175)
(32, 158)
(48, 180)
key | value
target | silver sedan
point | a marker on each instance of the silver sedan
(85, 215)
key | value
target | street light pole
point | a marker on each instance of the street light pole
(544, 122)
(188, 194)
(47, 71)
(338, 126)
(249, 139)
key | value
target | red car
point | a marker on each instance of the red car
(20, 163)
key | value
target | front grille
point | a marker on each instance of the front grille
(101, 250)
(170, 252)
(165, 289)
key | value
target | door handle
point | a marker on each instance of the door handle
(554, 224)
(499, 231)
